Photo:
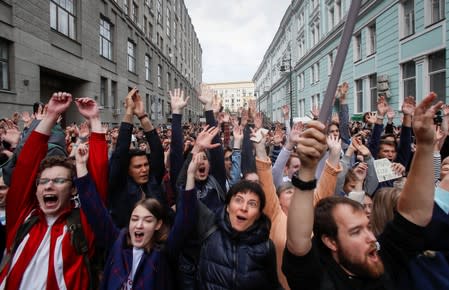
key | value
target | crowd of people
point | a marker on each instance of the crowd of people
(235, 202)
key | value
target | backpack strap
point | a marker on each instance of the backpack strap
(79, 241)
(21, 233)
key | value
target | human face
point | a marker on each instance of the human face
(349, 186)
(202, 171)
(55, 198)
(387, 151)
(333, 129)
(243, 210)
(285, 197)
(142, 226)
(3, 192)
(139, 169)
(355, 248)
(293, 167)
(368, 205)
(143, 146)
(228, 162)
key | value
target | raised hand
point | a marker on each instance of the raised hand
(398, 168)
(315, 112)
(204, 139)
(382, 106)
(423, 120)
(358, 145)
(335, 118)
(258, 120)
(244, 118)
(390, 113)
(41, 112)
(361, 171)
(408, 106)
(58, 104)
(206, 97)
(194, 163)
(285, 112)
(295, 134)
(334, 144)
(129, 101)
(87, 107)
(371, 118)
(12, 133)
(178, 102)
(26, 118)
(311, 146)
(139, 108)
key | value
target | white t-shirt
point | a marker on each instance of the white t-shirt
(137, 255)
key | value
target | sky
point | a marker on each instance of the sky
(234, 35)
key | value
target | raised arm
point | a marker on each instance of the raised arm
(310, 149)
(343, 115)
(98, 161)
(21, 196)
(118, 166)
(91, 204)
(405, 142)
(178, 103)
(416, 200)
(236, 169)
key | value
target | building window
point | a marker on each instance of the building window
(301, 47)
(315, 101)
(131, 56)
(105, 39)
(135, 12)
(330, 17)
(147, 67)
(435, 10)
(168, 81)
(159, 76)
(301, 81)
(63, 17)
(409, 78)
(103, 91)
(357, 47)
(114, 95)
(301, 20)
(168, 22)
(373, 91)
(159, 12)
(330, 61)
(150, 31)
(359, 95)
(337, 9)
(371, 42)
(302, 107)
(315, 73)
(175, 33)
(126, 6)
(4, 65)
(315, 31)
(437, 74)
(408, 18)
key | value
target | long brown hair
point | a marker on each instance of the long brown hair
(384, 204)
(159, 212)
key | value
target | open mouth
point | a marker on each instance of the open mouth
(138, 235)
(50, 199)
(202, 170)
(372, 254)
(241, 218)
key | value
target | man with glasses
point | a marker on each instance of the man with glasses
(40, 211)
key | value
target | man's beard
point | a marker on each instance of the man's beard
(367, 268)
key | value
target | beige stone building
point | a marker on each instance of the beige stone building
(234, 95)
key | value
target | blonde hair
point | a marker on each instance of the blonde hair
(384, 205)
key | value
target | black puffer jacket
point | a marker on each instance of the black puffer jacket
(232, 260)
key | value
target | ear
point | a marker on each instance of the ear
(329, 242)
(74, 191)
(158, 225)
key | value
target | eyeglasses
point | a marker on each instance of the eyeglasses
(57, 180)
(251, 203)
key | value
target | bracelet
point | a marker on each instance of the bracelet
(303, 185)
(143, 116)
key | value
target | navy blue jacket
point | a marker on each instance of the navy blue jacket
(155, 270)
(238, 260)
(124, 192)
